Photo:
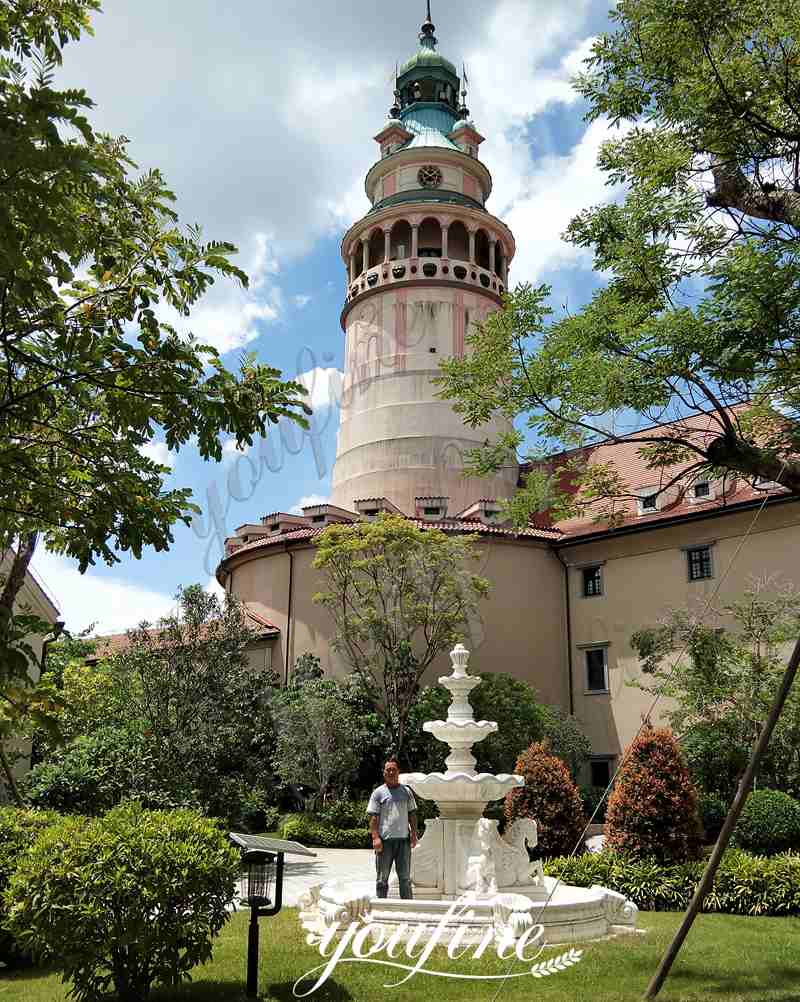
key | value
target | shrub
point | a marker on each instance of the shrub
(126, 901)
(19, 829)
(550, 798)
(712, 810)
(743, 885)
(304, 829)
(652, 811)
(769, 823)
(566, 739)
(97, 772)
(594, 797)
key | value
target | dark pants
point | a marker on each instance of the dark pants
(397, 851)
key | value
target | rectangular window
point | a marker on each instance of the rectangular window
(596, 669)
(600, 771)
(648, 503)
(432, 511)
(592, 582)
(700, 566)
(702, 489)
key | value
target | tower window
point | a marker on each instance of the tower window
(430, 177)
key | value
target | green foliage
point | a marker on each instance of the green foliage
(95, 274)
(724, 686)
(124, 902)
(307, 668)
(743, 885)
(712, 811)
(700, 310)
(97, 771)
(566, 739)
(206, 714)
(308, 831)
(399, 596)
(769, 823)
(319, 737)
(652, 811)
(549, 797)
(19, 829)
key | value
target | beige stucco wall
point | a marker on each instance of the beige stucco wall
(643, 576)
(520, 629)
(396, 439)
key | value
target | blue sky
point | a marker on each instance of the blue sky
(261, 116)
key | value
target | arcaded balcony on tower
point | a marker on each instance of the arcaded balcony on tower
(426, 263)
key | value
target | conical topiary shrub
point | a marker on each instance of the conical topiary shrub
(550, 798)
(653, 808)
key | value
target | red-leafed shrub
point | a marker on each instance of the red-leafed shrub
(653, 807)
(550, 798)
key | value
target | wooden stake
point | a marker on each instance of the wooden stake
(727, 829)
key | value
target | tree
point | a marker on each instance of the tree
(550, 797)
(725, 683)
(188, 687)
(92, 261)
(652, 811)
(319, 737)
(697, 326)
(566, 739)
(399, 596)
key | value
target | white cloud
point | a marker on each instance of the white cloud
(324, 387)
(158, 452)
(229, 316)
(302, 301)
(111, 603)
(307, 502)
(213, 587)
(556, 189)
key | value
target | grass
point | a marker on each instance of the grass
(727, 958)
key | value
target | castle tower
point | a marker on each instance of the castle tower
(426, 262)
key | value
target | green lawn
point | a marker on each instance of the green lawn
(726, 959)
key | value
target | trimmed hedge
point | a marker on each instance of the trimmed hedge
(19, 829)
(744, 884)
(308, 831)
(769, 823)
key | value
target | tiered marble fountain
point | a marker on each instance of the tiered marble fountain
(462, 853)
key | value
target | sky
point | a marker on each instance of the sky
(260, 115)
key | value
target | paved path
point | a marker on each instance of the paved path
(300, 873)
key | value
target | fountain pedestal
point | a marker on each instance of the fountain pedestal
(462, 853)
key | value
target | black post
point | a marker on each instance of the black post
(252, 955)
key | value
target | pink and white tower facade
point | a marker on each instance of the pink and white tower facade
(423, 265)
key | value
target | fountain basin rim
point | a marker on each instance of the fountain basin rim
(460, 724)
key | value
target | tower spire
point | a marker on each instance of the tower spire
(427, 38)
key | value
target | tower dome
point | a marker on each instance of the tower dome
(425, 264)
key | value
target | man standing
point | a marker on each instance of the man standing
(393, 825)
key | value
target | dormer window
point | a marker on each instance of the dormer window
(275, 527)
(649, 502)
(432, 511)
(700, 491)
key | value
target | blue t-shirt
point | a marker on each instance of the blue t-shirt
(392, 805)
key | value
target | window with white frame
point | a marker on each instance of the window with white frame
(649, 501)
(596, 669)
(701, 490)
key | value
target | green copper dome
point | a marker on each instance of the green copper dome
(427, 58)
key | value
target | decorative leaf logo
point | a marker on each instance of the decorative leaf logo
(556, 964)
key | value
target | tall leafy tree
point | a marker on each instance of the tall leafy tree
(399, 597)
(92, 261)
(698, 322)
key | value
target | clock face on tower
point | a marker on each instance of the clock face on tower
(430, 177)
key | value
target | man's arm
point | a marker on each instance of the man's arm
(412, 824)
(374, 830)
